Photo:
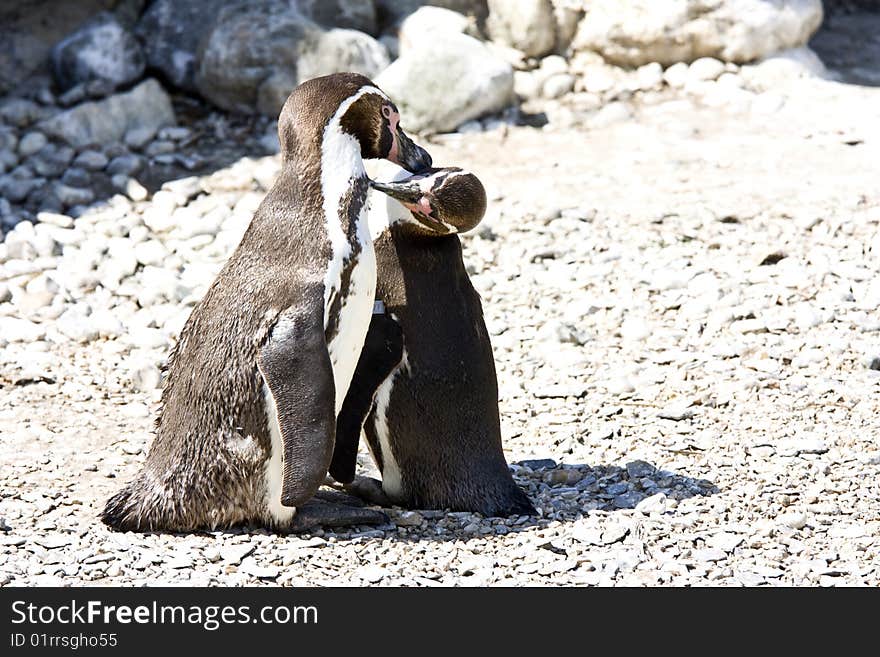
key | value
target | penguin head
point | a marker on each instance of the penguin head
(447, 200)
(349, 103)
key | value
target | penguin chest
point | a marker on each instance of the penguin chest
(349, 318)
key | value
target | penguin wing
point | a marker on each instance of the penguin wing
(380, 356)
(296, 367)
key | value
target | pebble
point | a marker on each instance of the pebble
(31, 143)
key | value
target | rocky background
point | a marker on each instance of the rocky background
(679, 272)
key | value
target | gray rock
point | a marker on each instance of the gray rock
(21, 112)
(258, 52)
(539, 464)
(31, 143)
(140, 136)
(70, 196)
(126, 165)
(446, 81)
(171, 31)
(73, 96)
(76, 177)
(639, 469)
(52, 160)
(147, 105)
(248, 44)
(99, 50)
(91, 160)
(17, 189)
(628, 500)
(351, 14)
(527, 25)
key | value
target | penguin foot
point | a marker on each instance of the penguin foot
(318, 513)
(369, 490)
(339, 497)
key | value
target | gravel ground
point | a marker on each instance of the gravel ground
(682, 295)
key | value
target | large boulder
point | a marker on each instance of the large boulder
(257, 52)
(446, 81)
(527, 25)
(351, 14)
(171, 31)
(637, 32)
(146, 107)
(28, 30)
(335, 50)
(426, 22)
(102, 49)
(391, 12)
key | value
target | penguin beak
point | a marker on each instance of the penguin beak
(411, 157)
(407, 191)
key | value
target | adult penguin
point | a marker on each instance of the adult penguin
(248, 417)
(425, 391)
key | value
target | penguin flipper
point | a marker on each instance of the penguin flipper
(296, 367)
(380, 356)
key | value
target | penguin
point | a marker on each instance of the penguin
(247, 421)
(425, 392)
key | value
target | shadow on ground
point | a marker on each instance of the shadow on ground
(561, 493)
(848, 42)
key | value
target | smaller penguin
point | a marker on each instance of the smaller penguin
(425, 391)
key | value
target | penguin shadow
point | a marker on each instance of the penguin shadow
(563, 492)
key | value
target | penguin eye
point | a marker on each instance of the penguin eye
(386, 112)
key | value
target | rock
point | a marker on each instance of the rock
(336, 50)
(653, 504)
(371, 573)
(793, 519)
(408, 519)
(91, 160)
(99, 50)
(147, 105)
(676, 412)
(527, 25)
(351, 14)
(628, 500)
(140, 136)
(676, 75)
(31, 143)
(558, 85)
(127, 165)
(783, 68)
(426, 21)
(639, 469)
(538, 464)
(442, 83)
(251, 43)
(705, 68)
(342, 50)
(52, 160)
(641, 31)
(171, 31)
(70, 196)
(13, 329)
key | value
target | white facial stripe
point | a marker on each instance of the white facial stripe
(341, 163)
